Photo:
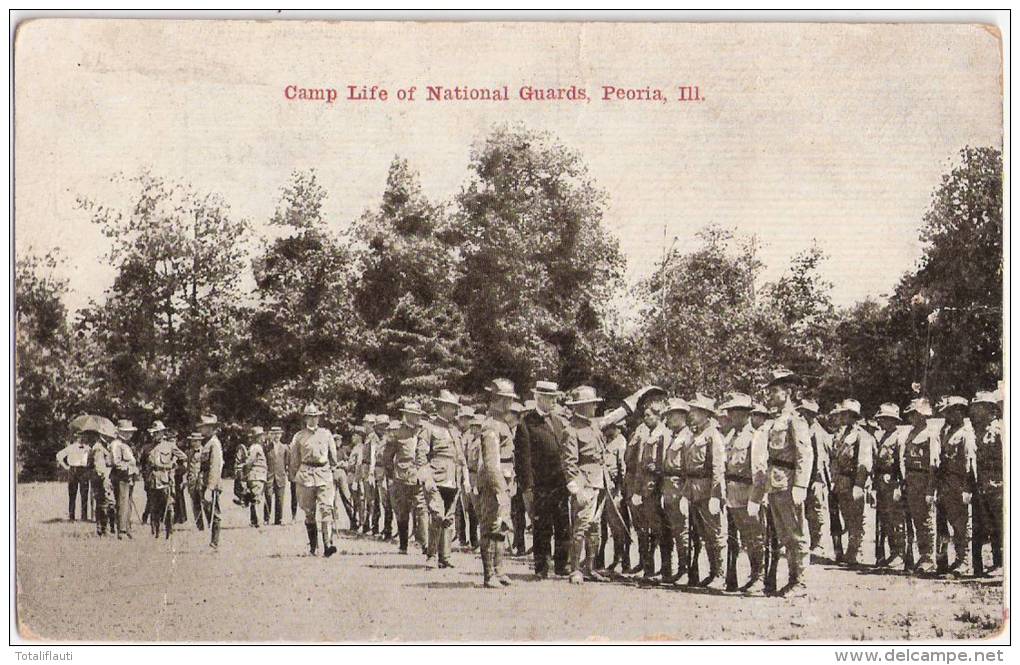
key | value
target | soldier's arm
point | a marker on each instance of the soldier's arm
(803, 452)
(759, 464)
(865, 448)
(717, 470)
(568, 455)
(522, 447)
(490, 470)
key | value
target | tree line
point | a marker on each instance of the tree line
(516, 275)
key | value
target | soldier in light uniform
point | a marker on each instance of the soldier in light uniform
(816, 506)
(852, 461)
(366, 475)
(442, 468)
(789, 474)
(676, 508)
(987, 507)
(473, 453)
(493, 491)
(196, 481)
(314, 455)
(256, 473)
(747, 459)
(464, 418)
(164, 457)
(212, 472)
(383, 508)
(277, 481)
(921, 450)
(354, 464)
(645, 458)
(704, 468)
(124, 473)
(401, 462)
(957, 475)
(889, 472)
(101, 463)
(616, 449)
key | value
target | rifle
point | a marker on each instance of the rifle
(941, 540)
(977, 539)
(732, 551)
(693, 549)
(772, 547)
(880, 537)
(835, 526)
(908, 528)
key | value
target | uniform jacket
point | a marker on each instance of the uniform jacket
(196, 480)
(473, 453)
(673, 447)
(584, 455)
(100, 459)
(123, 459)
(921, 452)
(279, 462)
(212, 463)
(703, 463)
(440, 453)
(647, 448)
(538, 443)
(821, 447)
(366, 456)
(747, 466)
(958, 459)
(789, 448)
(852, 458)
(163, 460)
(314, 454)
(889, 469)
(989, 455)
(616, 462)
(256, 467)
(401, 455)
(496, 438)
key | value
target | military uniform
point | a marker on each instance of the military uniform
(256, 472)
(492, 501)
(957, 481)
(789, 467)
(366, 480)
(816, 506)
(212, 473)
(442, 465)
(101, 463)
(989, 485)
(617, 466)
(123, 474)
(473, 453)
(314, 455)
(382, 509)
(746, 478)
(163, 460)
(676, 510)
(400, 461)
(354, 463)
(703, 463)
(277, 480)
(646, 450)
(852, 460)
(921, 451)
(196, 480)
(890, 509)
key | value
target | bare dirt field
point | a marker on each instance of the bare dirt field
(262, 586)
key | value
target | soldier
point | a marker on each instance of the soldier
(676, 508)
(401, 461)
(464, 418)
(473, 453)
(74, 460)
(616, 449)
(889, 475)
(443, 470)
(704, 468)
(957, 475)
(314, 456)
(518, 511)
(492, 498)
(276, 483)
(383, 509)
(196, 479)
(852, 461)
(645, 486)
(354, 464)
(921, 450)
(164, 458)
(341, 479)
(242, 496)
(987, 508)
(747, 459)
(540, 436)
(816, 506)
(212, 475)
(123, 474)
(101, 463)
(789, 474)
(366, 474)
(256, 473)
(759, 415)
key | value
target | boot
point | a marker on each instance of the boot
(497, 563)
(328, 549)
(625, 556)
(666, 571)
(489, 580)
(593, 572)
(313, 538)
(402, 536)
(649, 556)
(640, 565)
(215, 528)
(756, 571)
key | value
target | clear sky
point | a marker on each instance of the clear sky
(833, 133)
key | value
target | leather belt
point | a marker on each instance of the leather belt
(314, 464)
(506, 461)
(783, 464)
(737, 478)
(698, 474)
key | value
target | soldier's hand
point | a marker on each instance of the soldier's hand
(650, 468)
(897, 494)
(858, 493)
(713, 506)
(799, 495)
(529, 500)
(207, 496)
(966, 496)
(930, 499)
(635, 499)
(684, 503)
(753, 508)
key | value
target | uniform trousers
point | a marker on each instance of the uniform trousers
(122, 488)
(851, 510)
(257, 494)
(919, 512)
(988, 525)
(316, 501)
(816, 510)
(405, 499)
(890, 515)
(78, 485)
(585, 515)
(788, 518)
(752, 536)
(950, 501)
(161, 509)
(103, 496)
(441, 502)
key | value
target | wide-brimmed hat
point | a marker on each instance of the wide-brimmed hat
(312, 410)
(985, 397)
(360, 429)
(208, 419)
(478, 419)
(125, 426)
(810, 406)
(257, 431)
(156, 427)
(888, 410)
(759, 408)
(675, 404)
(466, 412)
(950, 401)
(546, 388)
(851, 405)
(703, 402)
(195, 436)
(502, 388)
(368, 418)
(394, 425)
(780, 376)
(737, 401)
(275, 428)
(919, 405)
(582, 395)
(411, 406)
(447, 397)
(517, 407)
(381, 419)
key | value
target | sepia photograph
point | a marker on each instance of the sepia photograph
(514, 332)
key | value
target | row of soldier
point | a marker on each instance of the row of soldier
(688, 468)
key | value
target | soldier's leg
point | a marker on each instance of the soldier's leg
(817, 514)
(848, 514)
(561, 531)
(214, 519)
(710, 530)
(653, 525)
(752, 537)
(72, 494)
(582, 518)
(789, 519)
(400, 499)
(421, 515)
(920, 515)
(83, 492)
(325, 499)
(958, 516)
(306, 500)
(593, 536)
(993, 503)
(895, 529)
(666, 544)
(123, 489)
(99, 507)
(617, 528)
(294, 503)
(677, 522)
(517, 514)
(155, 516)
(542, 530)
(472, 522)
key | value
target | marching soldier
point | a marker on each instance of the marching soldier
(443, 470)
(852, 461)
(123, 475)
(987, 508)
(816, 507)
(746, 477)
(402, 474)
(493, 492)
(704, 468)
(314, 454)
(921, 451)
(101, 463)
(277, 480)
(957, 475)
(676, 509)
(74, 459)
(164, 458)
(889, 474)
(789, 474)
(256, 473)
(195, 478)
(212, 473)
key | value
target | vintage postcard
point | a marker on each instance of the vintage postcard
(450, 332)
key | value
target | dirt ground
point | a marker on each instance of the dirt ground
(262, 586)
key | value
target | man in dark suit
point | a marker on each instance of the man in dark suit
(539, 438)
